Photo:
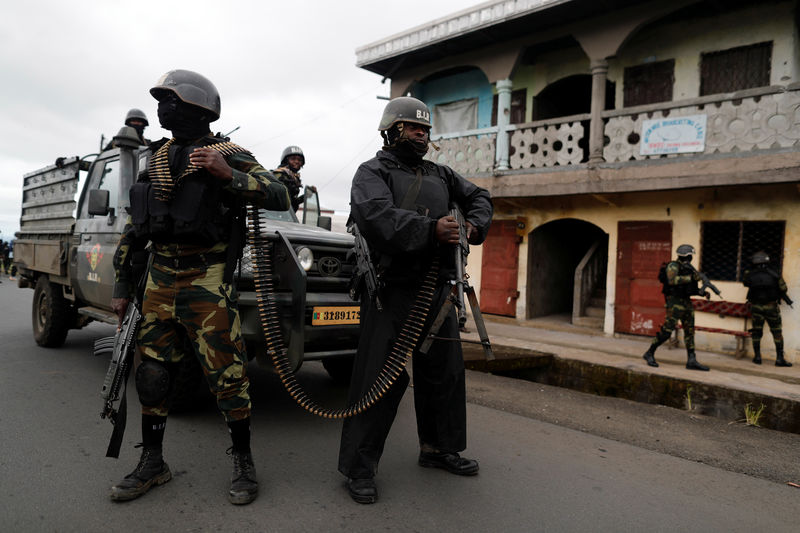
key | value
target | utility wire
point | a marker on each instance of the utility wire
(371, 141)
(314, 119)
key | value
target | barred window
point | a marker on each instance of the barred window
(735, 69)
(728, 246)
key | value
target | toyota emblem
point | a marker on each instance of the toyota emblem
(329, 266)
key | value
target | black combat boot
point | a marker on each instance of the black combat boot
(362, 490)
(691, 362)
(151, 470)
(756, 354)
(650, 356)
(779, 360)
(244, 484)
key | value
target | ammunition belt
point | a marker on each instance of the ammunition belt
(162, 178)
(398, 357)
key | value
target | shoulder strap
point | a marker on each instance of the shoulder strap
(412, 193)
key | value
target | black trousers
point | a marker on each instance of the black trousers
(439, 392)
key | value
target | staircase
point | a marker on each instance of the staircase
(594, 312)
(589, 292)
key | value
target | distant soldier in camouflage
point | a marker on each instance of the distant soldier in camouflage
(292, 160)
(190, 208)
(680, 282)
(765, 290)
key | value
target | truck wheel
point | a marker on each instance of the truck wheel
(339, 369)
(52, 314)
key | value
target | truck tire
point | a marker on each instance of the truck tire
(339, 369)
(52, 314)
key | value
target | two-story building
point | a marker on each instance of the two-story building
(609, 133)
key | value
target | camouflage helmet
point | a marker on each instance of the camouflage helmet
(292, 150)
(405, 109)
(191, 88)
(136, 114)
(760, 258)
(685, 249)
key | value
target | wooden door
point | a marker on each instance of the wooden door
(641, 249)
(499, 267)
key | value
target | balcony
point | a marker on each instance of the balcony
(751, 136)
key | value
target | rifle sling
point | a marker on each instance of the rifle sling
(409, 199)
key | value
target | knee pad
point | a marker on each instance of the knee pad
(152, 383)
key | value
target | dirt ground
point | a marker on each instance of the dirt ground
(730, 445)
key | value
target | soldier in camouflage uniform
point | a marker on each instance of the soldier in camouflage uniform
(190, 208)
(292, 160)
(765, 290)
(680, 284)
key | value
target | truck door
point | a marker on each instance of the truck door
(96, 237)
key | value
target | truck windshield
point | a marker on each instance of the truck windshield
(286, 216)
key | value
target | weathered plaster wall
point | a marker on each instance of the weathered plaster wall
(685, 41)
(686, 210)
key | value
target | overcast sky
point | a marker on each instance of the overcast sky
(285, 71)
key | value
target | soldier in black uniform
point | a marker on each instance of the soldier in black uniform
(400, 203)
(679, 284)
(190, 207)
(765, 290)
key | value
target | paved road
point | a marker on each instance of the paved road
(535, 476)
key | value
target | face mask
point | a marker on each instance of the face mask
(185, 121)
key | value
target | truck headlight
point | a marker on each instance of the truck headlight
(306, 257)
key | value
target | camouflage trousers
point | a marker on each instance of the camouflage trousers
(677, 309)
(771, 314)
(195, 304)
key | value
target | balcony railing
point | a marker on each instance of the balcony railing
(469, 152)
(744, 121)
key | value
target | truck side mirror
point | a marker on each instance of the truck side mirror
(324, 222)
(98, 202)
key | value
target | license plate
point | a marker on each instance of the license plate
(332, 316)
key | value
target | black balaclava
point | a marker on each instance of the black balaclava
(407, 150)
(139, 128)
(185, 121)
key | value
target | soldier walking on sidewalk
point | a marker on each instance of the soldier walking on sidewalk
(679, 281)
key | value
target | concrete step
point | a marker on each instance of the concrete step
(589, 322)
(597, 312)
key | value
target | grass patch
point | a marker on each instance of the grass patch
(752, 415)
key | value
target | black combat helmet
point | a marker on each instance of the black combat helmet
(760, 258)
(191, 88)
(292, 150)
(405, 109)
(685, 252)
(136, 114)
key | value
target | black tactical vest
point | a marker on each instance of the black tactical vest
(763, 287)
(682, 290)
(198, 211)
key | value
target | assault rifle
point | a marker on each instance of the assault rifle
(706, 282)
(123, 346)
(460, 286)
(365, 269)
(785, 298)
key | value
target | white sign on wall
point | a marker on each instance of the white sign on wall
(673, 135)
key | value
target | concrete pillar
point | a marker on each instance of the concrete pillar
(599, 75)
(503, 118)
